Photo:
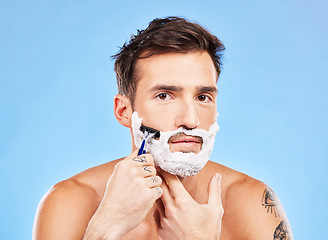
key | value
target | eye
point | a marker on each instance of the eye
(203, 98)
(163, 96)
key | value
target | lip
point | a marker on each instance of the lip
(185, 139)
(185, 143)
(185, 146)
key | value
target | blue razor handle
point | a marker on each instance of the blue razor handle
(141, 150)
(148, 132)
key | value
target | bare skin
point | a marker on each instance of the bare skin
(241, 198)
(130, 198)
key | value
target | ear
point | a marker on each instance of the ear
(123, 110)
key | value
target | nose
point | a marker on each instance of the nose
(187, 116)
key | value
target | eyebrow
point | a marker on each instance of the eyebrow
(207, 89)
(166, 88)
(174, 88)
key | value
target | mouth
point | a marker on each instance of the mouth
(185, 143)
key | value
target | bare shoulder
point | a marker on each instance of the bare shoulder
(251, 206)
(65, 210)
(233, 182)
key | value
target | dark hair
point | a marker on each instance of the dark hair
(163, 35)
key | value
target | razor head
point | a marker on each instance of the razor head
(150, 130)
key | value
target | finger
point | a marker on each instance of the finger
(153, 181)
(166, 196)
(143, 160)
(214, 190)
(174, 184)
(133, 154)
(147, 171)
(157, 192)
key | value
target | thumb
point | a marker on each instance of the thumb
(214, 190)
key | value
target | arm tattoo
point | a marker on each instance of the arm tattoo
(140, 159)
(146, 168)
(269, 201)
(281, 232)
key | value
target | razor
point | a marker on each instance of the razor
(148, 133)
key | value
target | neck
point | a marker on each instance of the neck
(190, 184)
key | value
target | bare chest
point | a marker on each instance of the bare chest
(149, 231)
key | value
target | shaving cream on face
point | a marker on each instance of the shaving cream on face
(177, 163)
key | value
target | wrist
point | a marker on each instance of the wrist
(98, 234)
(100, 230)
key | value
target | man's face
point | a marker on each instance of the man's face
(177, 90)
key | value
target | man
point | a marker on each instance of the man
(167, 78)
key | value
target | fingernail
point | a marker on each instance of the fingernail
(158, 190)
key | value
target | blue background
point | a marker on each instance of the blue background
(57, 88)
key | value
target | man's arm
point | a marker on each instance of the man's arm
(71, 210)
(272, 205)
(64, 212)
(261, 216)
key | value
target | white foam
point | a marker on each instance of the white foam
(177, 163)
